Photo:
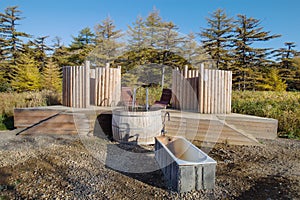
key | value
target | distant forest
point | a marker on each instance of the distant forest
(230, 42)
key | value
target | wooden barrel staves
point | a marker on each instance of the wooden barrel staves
(138, 127)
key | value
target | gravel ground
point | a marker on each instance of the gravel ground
(87, 167)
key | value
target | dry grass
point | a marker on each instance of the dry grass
(12, 100)
(283, 106)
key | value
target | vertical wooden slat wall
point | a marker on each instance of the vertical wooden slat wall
(77, 84)
(108, 86)
(204, 90)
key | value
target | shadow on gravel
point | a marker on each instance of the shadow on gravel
(130, 160)
(270, 187)
(135, 162)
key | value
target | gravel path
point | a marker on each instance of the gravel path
(82, 167)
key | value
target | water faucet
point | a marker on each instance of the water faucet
(163, 130)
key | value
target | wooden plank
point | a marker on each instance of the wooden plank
(218, 91)
(230, 92)
(111, 86)
(96, 87)
(119, 85)
(200, 88)
(80, 87)
(180, 89)
(173, 89)
(189, 90)
(177, 89)
(102, 86)
(106, 87)
(87, 87)
(209, 91)
(213, 91)
(63, 86)
(205, 88)
(115, 82)
(222, 92)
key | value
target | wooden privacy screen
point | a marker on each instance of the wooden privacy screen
(83, 86)
(106, 82)
(76, 86)
(204, 90)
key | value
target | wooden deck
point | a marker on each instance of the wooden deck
(221, 128)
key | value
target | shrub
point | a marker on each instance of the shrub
(283, 106)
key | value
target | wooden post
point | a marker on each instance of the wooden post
(173, 89)
(200, 88)
(111, 86)
(222, 92)
(101, 103)
(230, 92)
(180, 89)
(213, 89)
(73, 81)
(208, 91)
(188, 88)
(205, 88)
(219, 91)
(185, 91)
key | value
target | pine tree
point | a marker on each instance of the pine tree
(41, 49)
(52, 77)
(11, 44)
(191, 51)
(108, 47)
(154, 25)
(81, 46)
(287, 67)
(296, 80)
(61, 53)
(137, 35)
(248, 60)
(8, 32)
(27, 77)
(217, 37)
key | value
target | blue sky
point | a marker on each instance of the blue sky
(64, 18)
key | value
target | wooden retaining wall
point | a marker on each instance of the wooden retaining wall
(205, 91)
(83, 86)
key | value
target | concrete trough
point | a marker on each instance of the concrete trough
(185, 167)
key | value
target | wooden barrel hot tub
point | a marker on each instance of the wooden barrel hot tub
(139, 127)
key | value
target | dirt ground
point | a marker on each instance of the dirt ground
(64, 167)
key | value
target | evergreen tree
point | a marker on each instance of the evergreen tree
(27, 77)
(81, 46)
(154, 25)
(168, 44)
(217, 38)
(191, 51)
(8, 27)
(248, 60)
(108, 46)
(41, 50)
(296, 81)
(61, 54)
(287, 67)
(137, 35)
(52, 77)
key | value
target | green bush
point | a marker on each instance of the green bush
(154, 94)
(11, 100)
(283, 106)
